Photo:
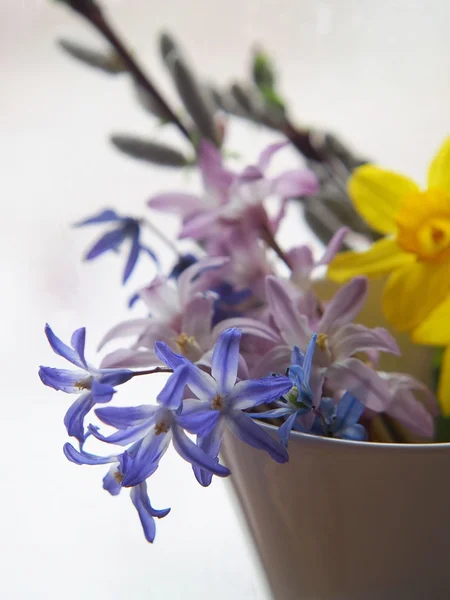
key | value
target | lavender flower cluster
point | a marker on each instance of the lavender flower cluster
(240, 342)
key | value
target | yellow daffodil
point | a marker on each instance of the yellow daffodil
(435, 330)
(416, 250)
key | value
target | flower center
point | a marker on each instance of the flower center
(163, 420)
(423, 224)
(188, 346)
(218, 402)
(84, 384)
(161, 427)
(119, 477)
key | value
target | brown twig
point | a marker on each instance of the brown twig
(153, 371)
(270, 240)
(91, 11)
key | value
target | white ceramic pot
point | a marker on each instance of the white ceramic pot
(348, 520)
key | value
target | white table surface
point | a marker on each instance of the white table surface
(376, 72)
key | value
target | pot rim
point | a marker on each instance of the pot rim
(318, 440)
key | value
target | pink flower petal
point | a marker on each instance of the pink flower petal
(157, 331)
(199, 226)
(292, 325)
(197, 317)
(194, 279)
(353, 338)
(300, 258)
(334, 245)
(362, 381)
(161, 299)
(293, 184)
(249, 327)
(344, 306)
(276, 360)
(129, 359)
(179, 203)
(132, 327)
(411, 413)
(266, 155)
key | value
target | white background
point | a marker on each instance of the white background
(376, 72)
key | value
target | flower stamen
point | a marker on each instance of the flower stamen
(217, 403)
(161, 427)
(119, 477)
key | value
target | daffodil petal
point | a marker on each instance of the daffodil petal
(377, 195)
(413, 291)
(382, 257)
(444, 384)
(439, 171)
(435, 330)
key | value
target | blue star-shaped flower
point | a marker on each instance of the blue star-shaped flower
(299, 401)
(221, 400)
(340, 420)
(125, 228)
(95, 385)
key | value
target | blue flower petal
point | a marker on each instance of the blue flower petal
(307, 364)
(272, 414)
(297, 357)
(62, 379)
(284, 431)
(121, 418)
(78, 342)
(327, 408)
(60, 348)
(210, 444)
(151, 254)
(115, 376)
(194, 454)
(254, 435)
(225, 359)
(102, 392)
(132, 258)
(348, 411)
(74, 418)
(109, 241)
(146, 512)
(252, 392)
(168, 356)
(105, 216)
(354, 432)
(198, 417)
(133, 299)
(201, 384)
(296, 375)
(171, 396)
(145, 461)
(122, 437)
(84, 458)
(183, 263)
(111, 483)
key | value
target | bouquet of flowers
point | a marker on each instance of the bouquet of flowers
(237, 325)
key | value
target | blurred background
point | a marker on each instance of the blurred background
(376, 74)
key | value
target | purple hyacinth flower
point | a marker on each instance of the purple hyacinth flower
(155, 427)
(96, 385)
(300, 399)
(113, 483)
(221, 401)
(125, 228)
